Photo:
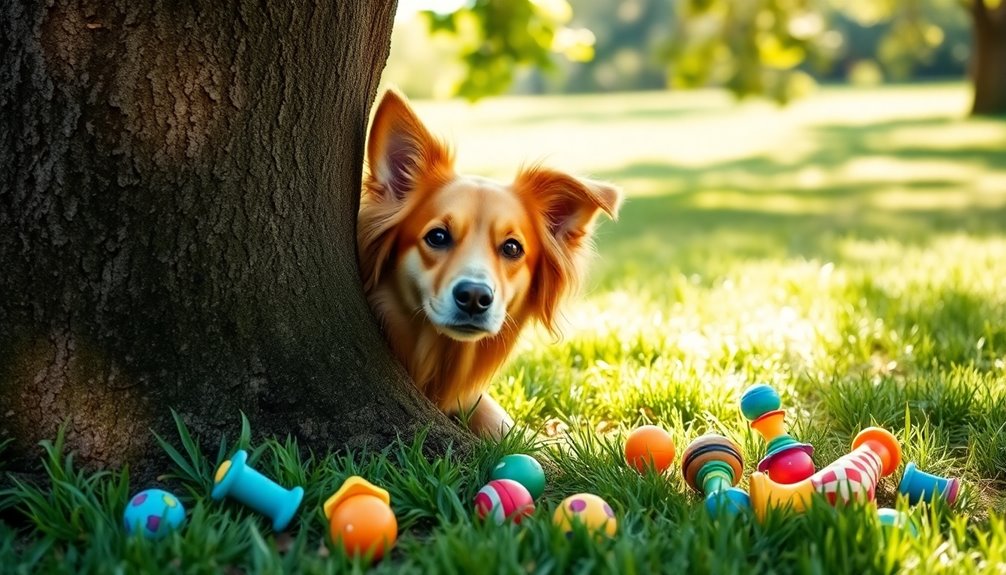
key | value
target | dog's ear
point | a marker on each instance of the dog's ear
(401, 152)
(568, 205)
(567, 208)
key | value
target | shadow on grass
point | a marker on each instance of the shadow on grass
(752, 207)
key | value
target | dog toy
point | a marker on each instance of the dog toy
(786, 460)
(897, 519)
(649, 445)
(153, 513)
(503, 499)
(921, 486)
(523, 469)
(712, 465)
(236, 479)
(875, 454)
(588, 510)
(360, 518)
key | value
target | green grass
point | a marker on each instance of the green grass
(850, 250)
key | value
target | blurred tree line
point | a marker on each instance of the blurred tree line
(775, 48)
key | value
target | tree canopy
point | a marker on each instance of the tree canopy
(773, 48)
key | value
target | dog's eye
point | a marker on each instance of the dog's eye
(512, 249)
(438, 238)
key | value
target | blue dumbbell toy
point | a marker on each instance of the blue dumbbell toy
(921, 486)
(235, 478)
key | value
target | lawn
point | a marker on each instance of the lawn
(849, 249)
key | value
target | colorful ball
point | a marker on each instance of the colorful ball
(649, 445)
(759, 399)
(153, 513)
(523, 469)
(588, 510)
(790, 466)
(364, 524)
(504, 499)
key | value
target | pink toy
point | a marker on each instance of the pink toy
(504, 499)
(876, 453)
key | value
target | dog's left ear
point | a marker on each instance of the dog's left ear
(568, 205)
(567, 208)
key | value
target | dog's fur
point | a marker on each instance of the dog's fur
(454, 266)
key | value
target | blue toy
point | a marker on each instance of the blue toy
(921, 486)
(153, 513)
(898, 520)
(235, 478)
(759, 399)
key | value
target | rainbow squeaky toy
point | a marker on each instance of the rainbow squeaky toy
(712, 465)
(786, 460)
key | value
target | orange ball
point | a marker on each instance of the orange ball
(364, 523)
(649, 445)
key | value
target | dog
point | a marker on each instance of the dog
(455, 266)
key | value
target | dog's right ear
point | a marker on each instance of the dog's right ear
(401, 152)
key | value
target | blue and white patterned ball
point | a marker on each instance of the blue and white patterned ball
(154, 513)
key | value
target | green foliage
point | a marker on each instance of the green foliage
(750, 47)
(498, 36)
(771, 48)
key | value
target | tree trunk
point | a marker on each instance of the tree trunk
(989, 64)
(177, 227)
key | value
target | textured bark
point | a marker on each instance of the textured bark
(989, 64)
(177, 226)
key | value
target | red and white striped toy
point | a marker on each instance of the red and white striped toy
(504, 499)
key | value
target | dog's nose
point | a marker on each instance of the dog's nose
(473, 297)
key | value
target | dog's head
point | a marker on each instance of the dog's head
(468, 253)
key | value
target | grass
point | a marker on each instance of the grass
(850, 250)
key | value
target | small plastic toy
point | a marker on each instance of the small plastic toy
(897, 519)
(712, 465)
(504, 499)
(588, 510)
(523, 469)
(876, 453)
(360, 518)
(921, 486)
(649, 445)
(786, 460)
(153, 513)
(235, 478)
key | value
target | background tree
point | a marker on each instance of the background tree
(989, 64)
(177, 226)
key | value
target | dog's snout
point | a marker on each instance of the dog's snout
(473, 297)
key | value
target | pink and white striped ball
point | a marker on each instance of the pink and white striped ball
(503, 499)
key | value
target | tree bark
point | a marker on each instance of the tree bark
(989, 64)
(177, 227)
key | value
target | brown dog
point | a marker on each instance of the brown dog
(455, 266)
